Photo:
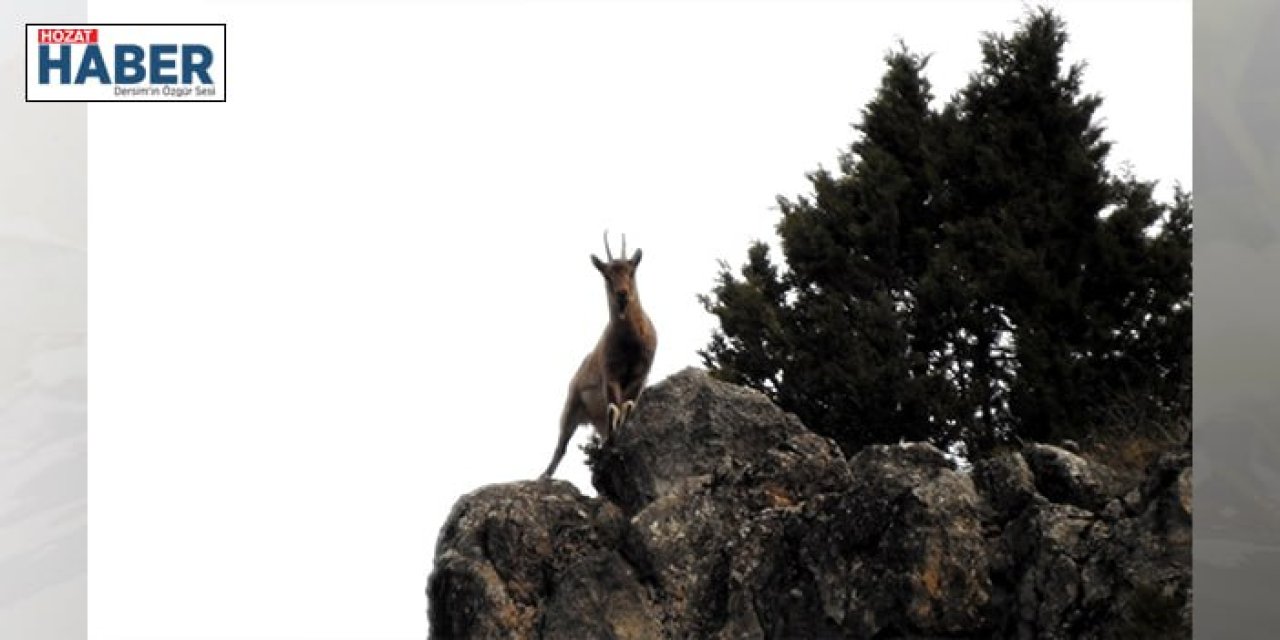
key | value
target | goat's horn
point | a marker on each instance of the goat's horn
(624, 246)
(607, 254)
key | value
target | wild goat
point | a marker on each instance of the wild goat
(604, 390)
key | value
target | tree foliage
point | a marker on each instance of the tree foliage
(971, 273)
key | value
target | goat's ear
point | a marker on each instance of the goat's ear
(599, 265)
(635, 259)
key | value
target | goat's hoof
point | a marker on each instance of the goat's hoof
(614, 416)
(628, 408)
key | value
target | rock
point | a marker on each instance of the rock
(1064, 477)
(1147, 562)
(900, 551)
(1006, 483)
(527, 559)
(721, 516)
(1044, 548)
(690, 428)
(1122, 574)
(698, 466)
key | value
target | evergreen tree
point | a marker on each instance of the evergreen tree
(971, 274)
(832, 339)
(1140, 313)
(1028, 181)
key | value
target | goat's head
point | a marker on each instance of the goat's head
(619, 277)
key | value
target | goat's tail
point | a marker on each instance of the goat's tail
(568, 424)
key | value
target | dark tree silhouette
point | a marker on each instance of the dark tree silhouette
(972, 273)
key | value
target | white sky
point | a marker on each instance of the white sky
(323, 310)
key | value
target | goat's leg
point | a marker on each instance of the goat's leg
(608, 390)
(568, 424)
(615, 417)
(610, 421)
(629, 406)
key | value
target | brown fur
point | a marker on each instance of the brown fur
(604, 390)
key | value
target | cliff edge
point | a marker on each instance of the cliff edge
(721, 516)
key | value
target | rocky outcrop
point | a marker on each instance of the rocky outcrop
(720, 516)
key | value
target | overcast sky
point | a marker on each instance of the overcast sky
(325, 309)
